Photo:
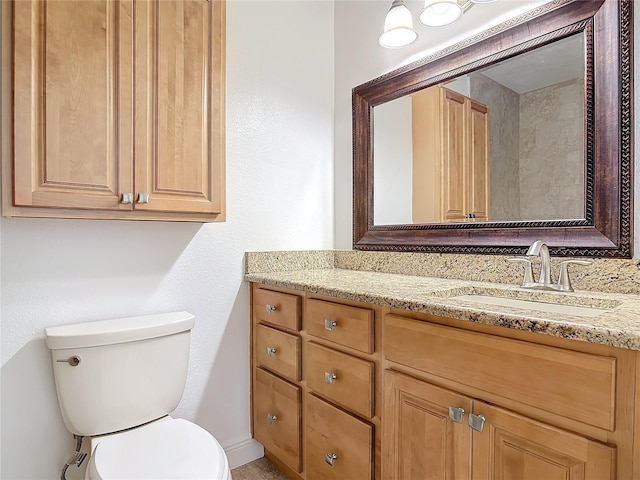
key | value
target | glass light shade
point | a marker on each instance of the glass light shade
(398, 27)
(482, 1)
(440, 13)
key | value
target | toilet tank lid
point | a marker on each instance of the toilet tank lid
(118, 330)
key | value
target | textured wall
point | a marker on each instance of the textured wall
(504, 106)
(552, 152)
(279, 196)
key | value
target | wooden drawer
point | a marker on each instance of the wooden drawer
(278, 351)
(330, 431)
(353, 325)
(353, 386)
(277, 308)
(281, 436)
(575, 385)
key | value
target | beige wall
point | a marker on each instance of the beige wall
(504, 154)
(552, 152)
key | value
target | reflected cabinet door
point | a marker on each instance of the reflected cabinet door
(421, 440)
(512, 447)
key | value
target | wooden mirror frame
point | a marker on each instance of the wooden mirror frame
(606, 230)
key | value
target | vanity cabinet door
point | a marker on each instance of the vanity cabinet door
(420, 439)
(511, 447)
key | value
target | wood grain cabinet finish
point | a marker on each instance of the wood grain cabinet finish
(450, 157)
(341, 378)
(571, 384)
(278, 351)
(117, 111)
(421, 441)
(542, 407)
(338, 445)
(512, 447)
(277, 308)
(277, 419)
(342, 324)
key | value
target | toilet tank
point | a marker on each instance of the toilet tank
(116, 374)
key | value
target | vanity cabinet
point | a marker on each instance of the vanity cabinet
(389, 394)
(335, 395)
(468, 434)
(117, 109)
(450, 157)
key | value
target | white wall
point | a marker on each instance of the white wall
(279, 196)
(359, 58)
(392, 142)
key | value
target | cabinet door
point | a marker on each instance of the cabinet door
(477, 164)
(420, 440)
(72, 103)
(512, 447)
(453, 156)
(179, 105)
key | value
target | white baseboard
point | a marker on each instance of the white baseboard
(243, 451)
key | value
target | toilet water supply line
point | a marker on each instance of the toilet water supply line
(76, 459)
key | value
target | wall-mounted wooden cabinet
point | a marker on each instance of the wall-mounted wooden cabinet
(115, 109)
(450, 157)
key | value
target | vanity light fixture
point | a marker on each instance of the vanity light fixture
(398, 27)
(398, 24)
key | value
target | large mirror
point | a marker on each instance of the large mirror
(521, 135)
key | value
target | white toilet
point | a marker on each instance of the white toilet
(117, 381)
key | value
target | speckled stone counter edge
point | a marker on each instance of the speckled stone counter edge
(603, 275)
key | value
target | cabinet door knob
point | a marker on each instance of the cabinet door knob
(329, 377)
(456, 414)
(330, 458)
(271, 351)
(476, 422)
(143, 198)
(271, 308)
(329, 324)
(271, 418)
(127, 198)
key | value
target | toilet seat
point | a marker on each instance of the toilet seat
(168, 449)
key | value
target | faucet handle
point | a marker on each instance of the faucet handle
(564, 282)
(528, 271)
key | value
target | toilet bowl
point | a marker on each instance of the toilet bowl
(166, 449)
(117, 381)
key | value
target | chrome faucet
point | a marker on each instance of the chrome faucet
(540, 249)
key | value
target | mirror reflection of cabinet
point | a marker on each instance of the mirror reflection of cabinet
(450, 157)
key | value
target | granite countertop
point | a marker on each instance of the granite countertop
(618, 325)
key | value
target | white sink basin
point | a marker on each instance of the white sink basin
(575, 310)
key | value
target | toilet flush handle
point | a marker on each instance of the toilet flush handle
(74, 361)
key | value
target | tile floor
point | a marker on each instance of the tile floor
(261, 469)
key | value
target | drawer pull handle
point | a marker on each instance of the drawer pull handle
(456, 414)
(329, 324)
(329, 377)
(271, 308)
(143, 198)
(476, 422)
(271, 351)
(330, 458)
(127, 198)
(271, 418)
